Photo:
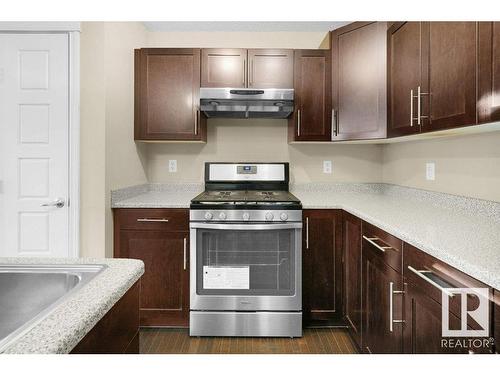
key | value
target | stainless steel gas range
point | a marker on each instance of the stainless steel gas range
(246, 253)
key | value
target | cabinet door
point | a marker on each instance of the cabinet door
(422, 331)
(404, 76)
(270, 68)
(311, 120)
(167, 84)
(489, 72)
(165, 283)
(352, 274)
(449, 69)
(359, 81)
(223, 67)
(322, 266)
(380, 306)
(496, 324)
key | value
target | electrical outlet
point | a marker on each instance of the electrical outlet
(327, 166)
(430, 171)
(172, 166)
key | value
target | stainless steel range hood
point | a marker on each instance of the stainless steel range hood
(246, 103)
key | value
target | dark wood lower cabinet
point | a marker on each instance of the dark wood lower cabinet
(422, 333)
(163, 246)
(322, 267)
(352, 274)
(118, 331)
(382, 305)
(496, 319)
(165, 291)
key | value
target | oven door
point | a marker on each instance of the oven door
(246, 267)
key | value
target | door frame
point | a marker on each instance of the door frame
(72, 29)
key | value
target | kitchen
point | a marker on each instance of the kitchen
(307, 187)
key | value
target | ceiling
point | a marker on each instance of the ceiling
(245, 26)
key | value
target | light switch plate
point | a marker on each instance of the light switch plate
(327, 166)
(172, 166)
(430, 171)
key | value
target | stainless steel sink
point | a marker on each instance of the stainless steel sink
(29, 293)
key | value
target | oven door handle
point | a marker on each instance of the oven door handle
(245, 226)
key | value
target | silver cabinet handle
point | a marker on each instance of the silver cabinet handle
(185, 259)
(411, 107)
(391, 306)
(59, 203)
(196, 119)
(244, 71)
(153, 220)
(307, 233)
(298, 122)
(419, 105)
(372, 241)
(334, 126)
(421, 274)
(250, 73)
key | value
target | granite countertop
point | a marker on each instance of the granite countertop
(463, 232)
(155, 196)
(70, 321)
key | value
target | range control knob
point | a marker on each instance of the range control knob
(246, 216)
(284, 216)
(269, 216)
(222, 216)
(208, 216)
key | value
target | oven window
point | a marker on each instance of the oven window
(246, 262)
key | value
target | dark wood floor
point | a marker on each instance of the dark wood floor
(177, 340)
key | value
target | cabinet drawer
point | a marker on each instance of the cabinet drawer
(388, 247)
(168, 219)
(431, 275)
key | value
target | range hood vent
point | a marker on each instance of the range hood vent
(246, 103)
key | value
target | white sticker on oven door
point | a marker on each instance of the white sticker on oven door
(226, 277)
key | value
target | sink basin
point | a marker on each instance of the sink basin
(29, 293)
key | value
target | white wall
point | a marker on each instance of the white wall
(465, 165)
(264, 140)
(110, 159)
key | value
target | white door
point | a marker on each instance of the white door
(34, 157)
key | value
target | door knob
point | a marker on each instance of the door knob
(59, 203)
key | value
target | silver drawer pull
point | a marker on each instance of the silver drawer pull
(392, 292)
(185, 257)
(150, 220)
(421, 274)
(372, 241)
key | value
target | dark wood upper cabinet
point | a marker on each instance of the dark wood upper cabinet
(488, 105)
(352, 274)
(431, 76)
(167, 84)
(312, 118)
(164, 249)
(448, 89)
(270, 68)
(403, 77)
(359, 81)
(223, 67)
(322, 266)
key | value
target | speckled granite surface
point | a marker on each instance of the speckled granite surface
(463, 232)
(155, 196)
(76, 316)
